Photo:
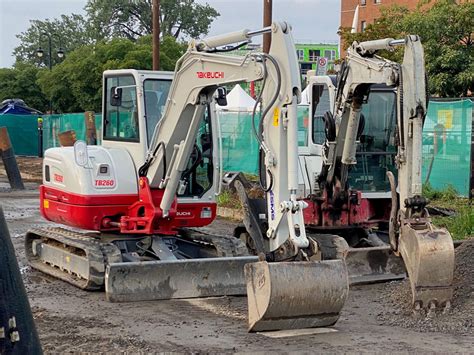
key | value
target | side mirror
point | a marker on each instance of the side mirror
(221, 96)
(116, 96)
(80, 153)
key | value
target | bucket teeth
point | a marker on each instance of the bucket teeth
(428, 255)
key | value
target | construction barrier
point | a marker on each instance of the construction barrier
(447, 139)
(447, 144)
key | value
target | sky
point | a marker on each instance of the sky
(312, 20)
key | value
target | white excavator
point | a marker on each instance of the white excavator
(350, 173)
(348, 165)
(139, 195)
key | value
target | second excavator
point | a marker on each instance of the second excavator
(349, 169)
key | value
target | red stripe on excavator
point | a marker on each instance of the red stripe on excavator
(89, 212)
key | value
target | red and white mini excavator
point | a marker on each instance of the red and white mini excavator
(139, 195)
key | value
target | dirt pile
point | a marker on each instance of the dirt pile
(458, 320)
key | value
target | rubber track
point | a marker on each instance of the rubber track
(225, 246)
(94, 250)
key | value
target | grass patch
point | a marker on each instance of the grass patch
(251, 177)
(461, 225)
(228, 199)
(449, 193)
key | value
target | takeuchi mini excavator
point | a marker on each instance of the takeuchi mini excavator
(139, 196)
(351, 167)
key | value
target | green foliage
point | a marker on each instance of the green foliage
(447, 32)
(113, 35)
(461, 225)
(132, 19)
(20, 83)
(449, 193)
(228, 199)
(75, 84)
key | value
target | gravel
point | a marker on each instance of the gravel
(458, 320)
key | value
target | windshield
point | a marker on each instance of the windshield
(121, 120)
(156, 94)
(321, 105)
(376, 151)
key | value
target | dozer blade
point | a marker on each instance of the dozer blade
(373, 264)
(429, 259)
(184, 278)
(294, 295)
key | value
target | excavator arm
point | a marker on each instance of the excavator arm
(427, 251)
(198, 74)
(281, 295)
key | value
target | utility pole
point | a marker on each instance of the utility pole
(267, 21)
(156, 34)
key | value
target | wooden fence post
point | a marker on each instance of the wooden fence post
(9, 161)
(91, 134)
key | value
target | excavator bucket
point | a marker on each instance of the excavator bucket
(184, 278)
(294, 295)
(373, 264)
(428, 254)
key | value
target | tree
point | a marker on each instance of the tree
(447, 32)
(389, 25)
(76, 84)
(132, 19)
(71, 30)
(20, 83)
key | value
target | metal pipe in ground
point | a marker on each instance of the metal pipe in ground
(9, 161)
(18, 333)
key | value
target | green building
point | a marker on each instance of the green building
(309, 56)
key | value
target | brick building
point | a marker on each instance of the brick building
(369, 10)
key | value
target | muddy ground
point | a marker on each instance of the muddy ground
(69, 319)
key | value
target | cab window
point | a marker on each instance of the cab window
(376, 150)
(321, 104)
(303, 125)
(156, 94)
(200, 170)
(121, 111)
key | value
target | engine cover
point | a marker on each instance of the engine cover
(93, 196)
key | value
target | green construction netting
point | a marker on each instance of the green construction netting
(446, 139)
(23, 132)
(239, 145)
(447, 145)
(55, 124)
